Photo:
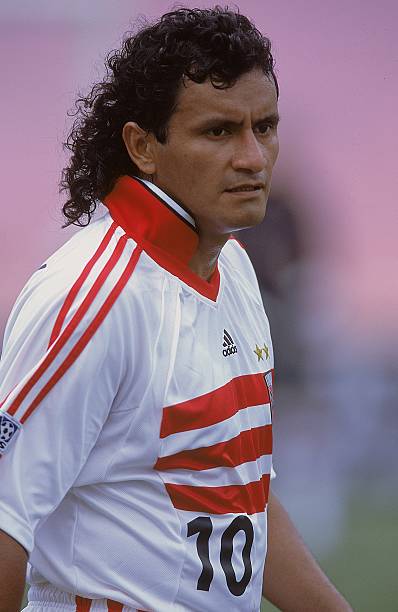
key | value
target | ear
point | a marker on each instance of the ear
(139, 145)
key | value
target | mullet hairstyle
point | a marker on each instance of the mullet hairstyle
(142, 83)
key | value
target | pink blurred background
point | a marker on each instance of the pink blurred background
(334, 312)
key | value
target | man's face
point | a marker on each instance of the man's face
(221, 148)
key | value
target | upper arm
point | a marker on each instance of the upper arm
(13, 560)
(55, 400)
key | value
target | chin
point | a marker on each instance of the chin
(250, 218)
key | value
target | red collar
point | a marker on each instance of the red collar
(162, 227)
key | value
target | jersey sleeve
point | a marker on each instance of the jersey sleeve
(56, 395)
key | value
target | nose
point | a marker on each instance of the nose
(249, 154)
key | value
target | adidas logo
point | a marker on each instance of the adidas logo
(229, 345)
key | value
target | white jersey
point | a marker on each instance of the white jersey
(135, 428)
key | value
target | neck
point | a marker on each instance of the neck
(204, 260)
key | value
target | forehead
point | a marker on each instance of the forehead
(253, 92)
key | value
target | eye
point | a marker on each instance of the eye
(217, 131)
(263, 128)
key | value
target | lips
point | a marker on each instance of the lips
(244, 187)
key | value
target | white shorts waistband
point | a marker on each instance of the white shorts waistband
(47, 598)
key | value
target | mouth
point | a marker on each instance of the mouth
(246, 187)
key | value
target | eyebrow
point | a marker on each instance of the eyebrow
(273, 118)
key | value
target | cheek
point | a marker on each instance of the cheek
(190, 171)
(275, 150)
(198, 171)
(172, 170)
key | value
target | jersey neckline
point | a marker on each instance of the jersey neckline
(163, 227)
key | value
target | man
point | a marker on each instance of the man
(137, 368)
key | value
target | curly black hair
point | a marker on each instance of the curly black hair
(142, 83)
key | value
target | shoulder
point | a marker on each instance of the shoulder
(237, 262)
(80, 281)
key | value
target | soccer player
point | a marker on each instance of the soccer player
(135, 427)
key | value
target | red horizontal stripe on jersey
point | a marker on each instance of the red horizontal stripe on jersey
(87, 335)
(68, 331)
(231, 499)
(215, 406)
(82, 604)
(114, 606)
(79, 282)
(247, 446)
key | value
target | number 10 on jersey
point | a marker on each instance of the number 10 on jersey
(203, 526)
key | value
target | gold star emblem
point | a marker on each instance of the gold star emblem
(259, 352)
(266, 351)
